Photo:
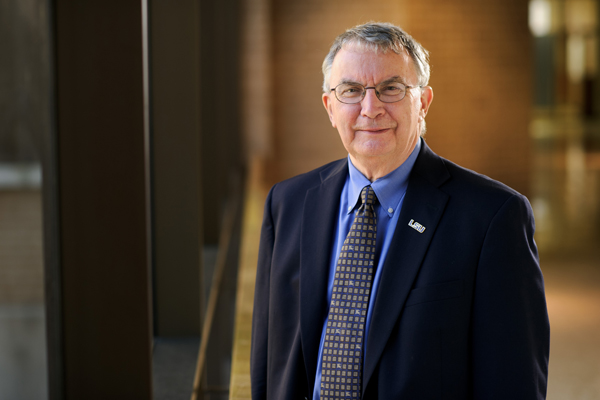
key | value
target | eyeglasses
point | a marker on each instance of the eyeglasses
(387, 92)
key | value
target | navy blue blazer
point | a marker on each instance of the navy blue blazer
(460, 312)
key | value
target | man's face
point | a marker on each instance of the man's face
(373, 132)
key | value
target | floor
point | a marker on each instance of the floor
(22, 353)
(573, 297)
(173, 367)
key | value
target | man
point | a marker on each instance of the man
(394, 273)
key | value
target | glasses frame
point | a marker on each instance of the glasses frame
(364, 93)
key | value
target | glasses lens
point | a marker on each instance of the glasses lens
(388, 92)
(349, 94)
(391, 92)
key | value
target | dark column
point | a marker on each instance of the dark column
(102, 185)
(221, 99)
(175, 82)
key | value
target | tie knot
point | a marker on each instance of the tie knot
(367, 195)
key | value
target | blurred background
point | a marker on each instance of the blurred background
(138, 140)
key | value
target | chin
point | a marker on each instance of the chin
(373, 150)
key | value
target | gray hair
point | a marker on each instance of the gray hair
(379, 36)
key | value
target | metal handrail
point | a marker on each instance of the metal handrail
(229, 220)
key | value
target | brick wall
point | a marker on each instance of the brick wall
(481, 76)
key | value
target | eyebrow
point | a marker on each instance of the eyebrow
(389, 80)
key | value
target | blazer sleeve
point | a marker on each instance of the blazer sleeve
(260, 316)
(511, 331)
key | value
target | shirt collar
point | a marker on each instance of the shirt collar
(389, 189)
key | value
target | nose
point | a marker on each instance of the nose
(372, 107)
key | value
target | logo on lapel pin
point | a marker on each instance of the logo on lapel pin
(416, 226)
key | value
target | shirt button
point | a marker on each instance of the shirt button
(390, 210)
(349, 208)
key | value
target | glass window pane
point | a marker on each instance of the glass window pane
(24, 120)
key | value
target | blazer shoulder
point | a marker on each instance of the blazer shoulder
(294, 188)
(455, 179)
(480, 193)
(477, 181)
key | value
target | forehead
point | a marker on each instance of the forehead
(367, 66)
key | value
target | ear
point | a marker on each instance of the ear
(328, 103)
(426, 99)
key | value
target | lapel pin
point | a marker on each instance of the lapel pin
(416, 226)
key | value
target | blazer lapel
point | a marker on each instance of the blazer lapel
(319, 221)
(424, 203)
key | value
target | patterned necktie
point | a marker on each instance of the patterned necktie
(341, 368)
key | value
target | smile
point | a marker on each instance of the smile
(373, 130)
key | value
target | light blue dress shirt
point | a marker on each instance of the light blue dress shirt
(390, 191)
